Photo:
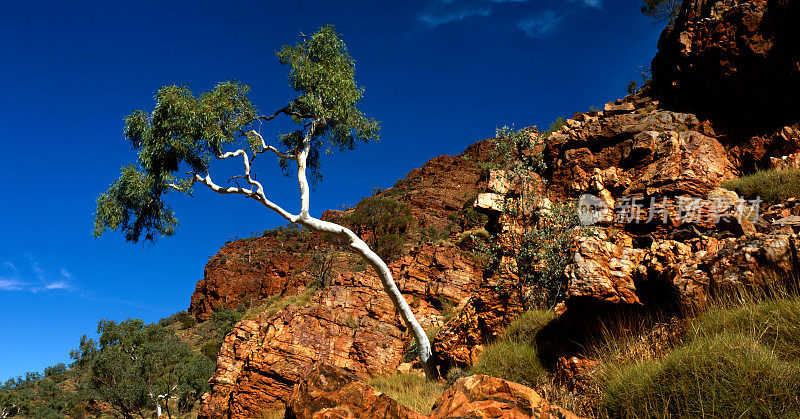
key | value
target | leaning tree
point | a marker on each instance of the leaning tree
(178, 140)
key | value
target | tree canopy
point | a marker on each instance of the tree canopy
(185, 131)
(177, 140)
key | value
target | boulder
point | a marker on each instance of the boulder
(482, 396)
(329, 392)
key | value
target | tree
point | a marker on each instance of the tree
(138, 367)
(184, 132)
(662, 10)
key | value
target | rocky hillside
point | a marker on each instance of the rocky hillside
(667, 237)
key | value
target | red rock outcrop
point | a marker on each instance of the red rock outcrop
(350, 324)
(482, 396)
(255, 268)
(734, 63)
(329, 392)
(481, 319)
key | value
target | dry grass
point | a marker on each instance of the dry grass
(410, 390)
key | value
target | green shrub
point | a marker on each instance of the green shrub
(288, 231)
(726, 375)
(383, 223)
(771, 185)
(512, 361)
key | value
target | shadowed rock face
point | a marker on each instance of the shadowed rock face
(733, 61)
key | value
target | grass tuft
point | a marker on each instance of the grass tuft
(724, 375)
(772, 186)
(410, 390)
(512, 361)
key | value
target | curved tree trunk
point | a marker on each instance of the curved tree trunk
(315, 224)
(400, 303)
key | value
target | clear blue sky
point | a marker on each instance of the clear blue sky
(439, 74)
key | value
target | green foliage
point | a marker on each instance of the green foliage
(512, 151)
(133, 364)
(184, 131)
(410, 390)
(541, 252)
(383, 223)
(323, 74)
(640, 88)
(287, 232)
(544, 251)
(555, 126)
(219, 325)
(662, 10)
(184, 318)
(633, 86)
(133, 204)
(772, 186)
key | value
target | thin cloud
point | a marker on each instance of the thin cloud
(8, 284)
(541, 25)
(12, 280)
(434, 19)
(35, 266)
(58, 285)
(595, 4)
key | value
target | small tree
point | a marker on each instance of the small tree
(662, 10)
(184, 132)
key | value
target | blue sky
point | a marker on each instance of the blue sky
(439, 74)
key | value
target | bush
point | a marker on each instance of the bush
(383, 223)
(771, 185)
(410, 390)
(727, 375)
(186, 320)
(289, 231)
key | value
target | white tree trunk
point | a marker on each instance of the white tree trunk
(315, 224)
